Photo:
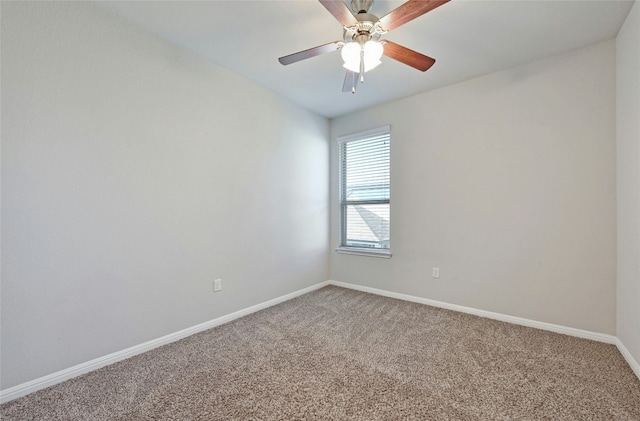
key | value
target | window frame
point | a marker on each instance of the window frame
(342, 247)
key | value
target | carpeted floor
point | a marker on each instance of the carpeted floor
(338, 354)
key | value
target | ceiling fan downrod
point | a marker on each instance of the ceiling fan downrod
(361, 6)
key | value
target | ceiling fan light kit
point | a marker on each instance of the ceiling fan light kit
(362, 47)
(356, 54)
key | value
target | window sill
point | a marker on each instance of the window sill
(385, 254)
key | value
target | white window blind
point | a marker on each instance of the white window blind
(365, 190)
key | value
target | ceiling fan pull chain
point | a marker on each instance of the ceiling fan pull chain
(361, 64)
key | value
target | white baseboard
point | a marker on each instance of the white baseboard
(635, 365)
(66, 374)
(600, 337)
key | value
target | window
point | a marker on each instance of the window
(365, 192)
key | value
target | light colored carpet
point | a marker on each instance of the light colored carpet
(338, 354)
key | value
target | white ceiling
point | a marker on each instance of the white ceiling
(468, 38)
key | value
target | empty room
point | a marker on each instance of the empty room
(322, 210)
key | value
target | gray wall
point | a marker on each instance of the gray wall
(628, 183)
(133, 174)
(507, 184)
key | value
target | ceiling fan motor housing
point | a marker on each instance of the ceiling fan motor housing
(368, 27)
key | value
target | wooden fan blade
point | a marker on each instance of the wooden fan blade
(340, 11)
(408, 11)
(350, 82)
(407, 56)
(311, 52)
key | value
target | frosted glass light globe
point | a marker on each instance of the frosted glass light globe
(351, 55)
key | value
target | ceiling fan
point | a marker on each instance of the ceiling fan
(362, 48)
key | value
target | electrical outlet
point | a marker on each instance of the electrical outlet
(217, 285)
(436, 273)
